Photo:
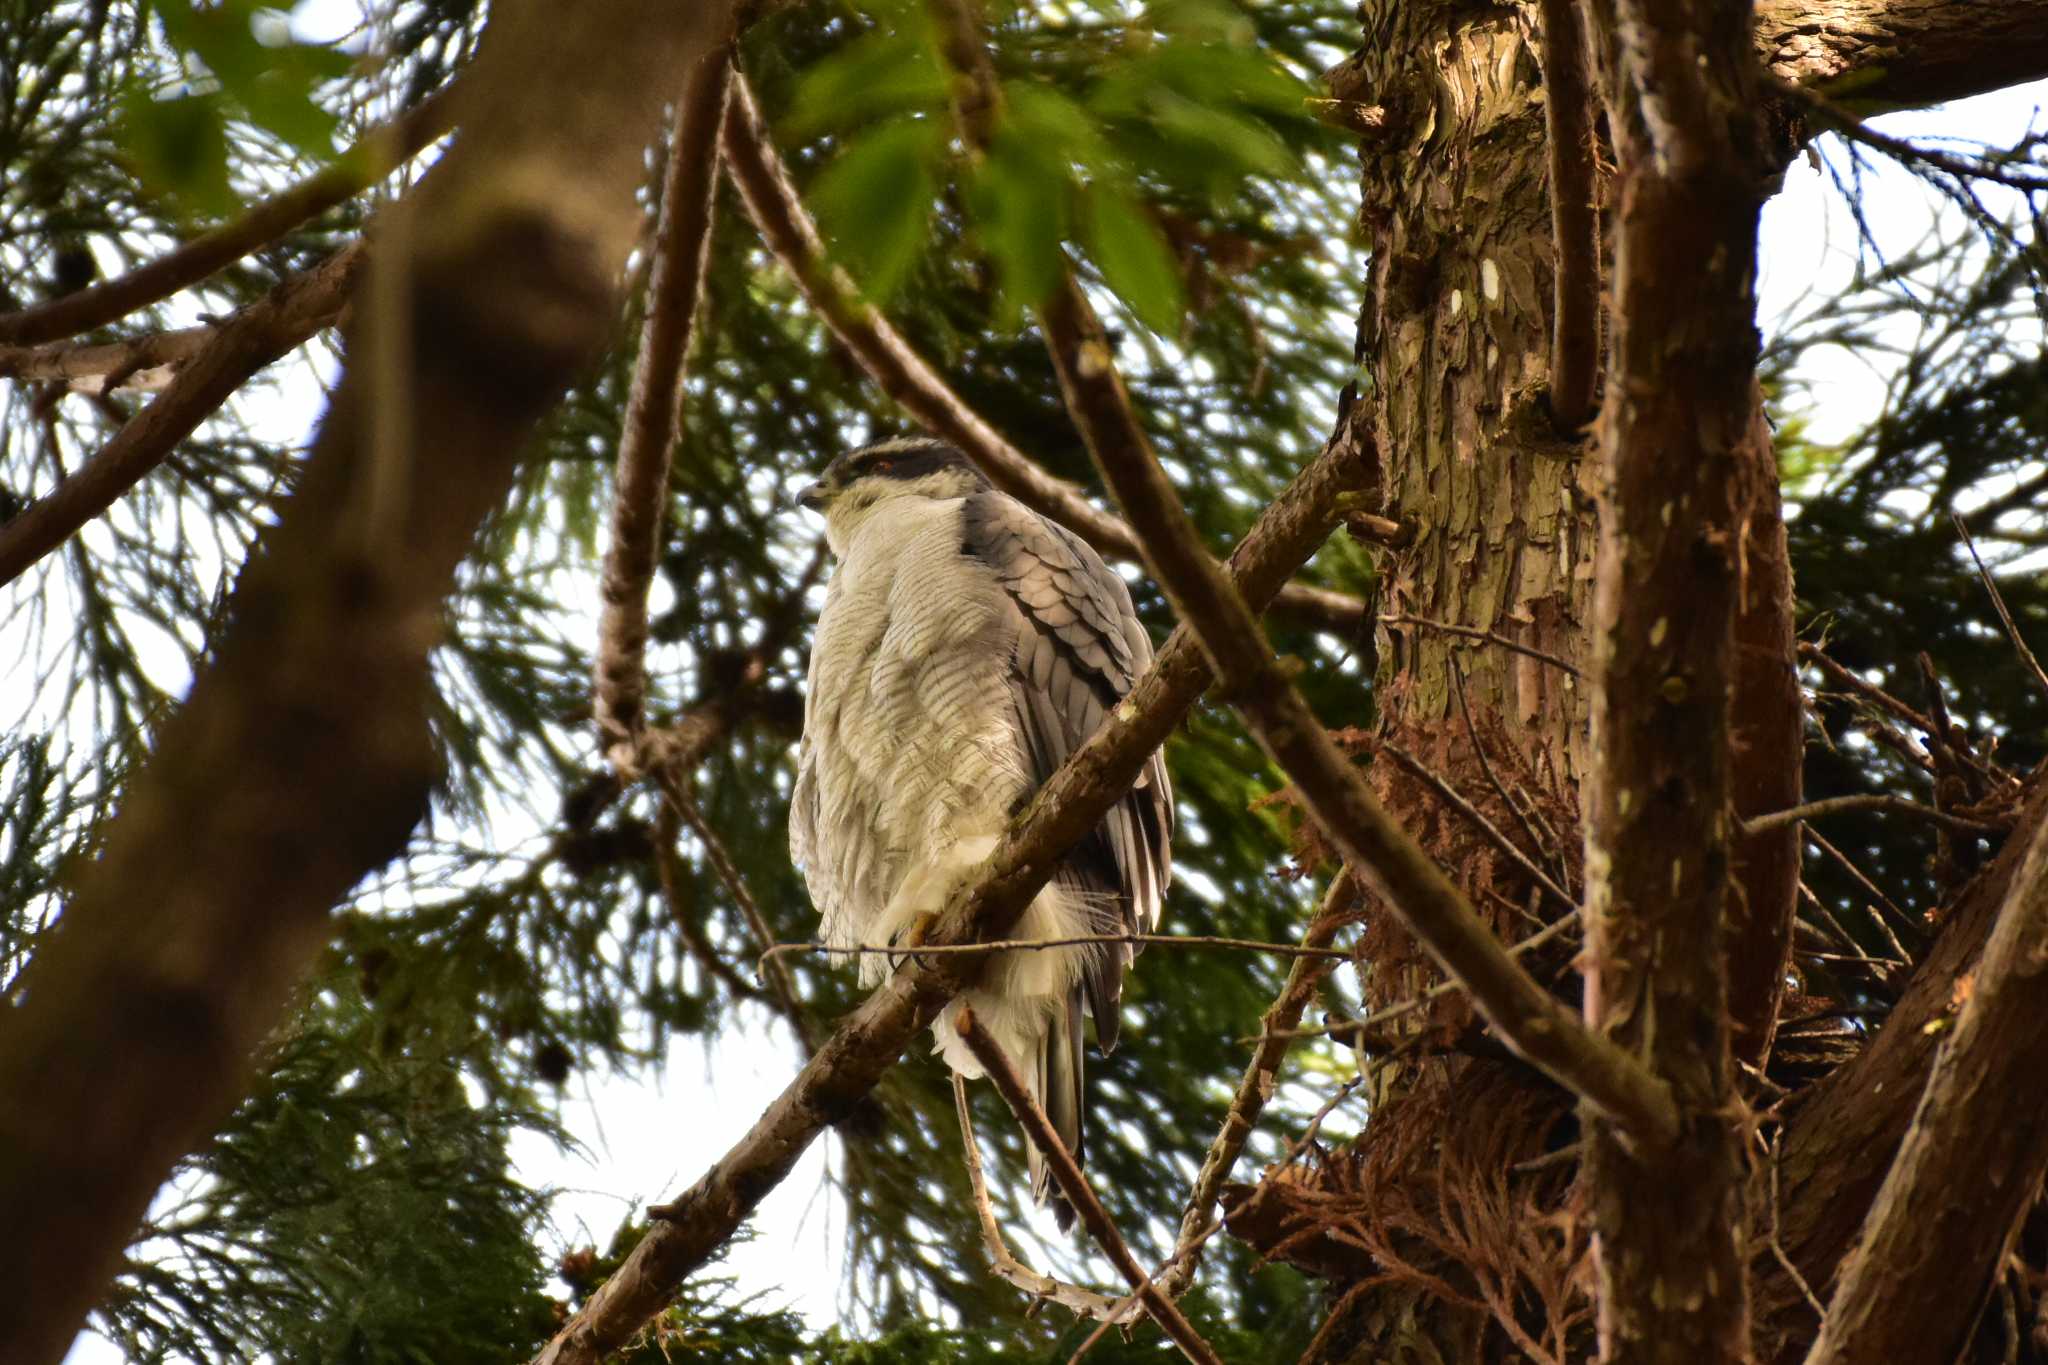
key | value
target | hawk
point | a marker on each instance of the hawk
(966, 647)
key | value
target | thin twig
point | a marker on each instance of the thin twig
(675, 787)
(1526, 1016)
(1874, 801)
(1878, 898)
(1856, 130)
(1401, 1007)
(771, 199)
(1567, 112)
(1248, 945)
(1256, 1086)
(1544, 842)
(1074, 1185)
(668, 869)
(380, 150)
(240, 346)
(1450, 797)
(1082, 1302)
(2012, 631)
(1491, 637)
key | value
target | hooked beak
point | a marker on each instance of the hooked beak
(813, 496)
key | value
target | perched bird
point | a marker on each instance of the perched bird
(966, 647)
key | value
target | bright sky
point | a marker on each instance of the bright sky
(646, 1137)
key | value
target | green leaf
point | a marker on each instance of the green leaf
(885, 73)
(1135, 259)
(180, 148)
(1057, 127)
(1019, 200)
(875, 200)
(271, 82)
(1242, 143)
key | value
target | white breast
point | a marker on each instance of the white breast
(910, 742)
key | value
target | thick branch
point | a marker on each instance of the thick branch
(867, 1044)
(1840, 1141)
(682, 245)
(304, 757)
(1680, 385)
(1972, 1163)
(1074, 1185)
(1526, 1016)
(381, 149)
(900, 372)
(1904, 52)
(234, 350)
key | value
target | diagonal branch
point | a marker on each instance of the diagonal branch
(381, 149)
(899, 371)
(1972, 1163)
(235, 350)
(682, 244)
(854, 1058)
(1074, 1185)
(1527, 1017)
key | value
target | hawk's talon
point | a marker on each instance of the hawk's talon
(920, 929)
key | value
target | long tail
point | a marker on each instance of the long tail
(1056, 1081)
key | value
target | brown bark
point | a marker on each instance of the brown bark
(303, 757)
(1680, 87)
(1841, 1137)
(1901, 52)
(1972, 1163)
(1766, 732)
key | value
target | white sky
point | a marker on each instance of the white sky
(647, 1136)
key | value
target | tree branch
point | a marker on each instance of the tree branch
(1074, 1185)
(1972, 1163)
(1526, 1016)
(232, 351)
(1568, 119)
(1066, 808)
(304, 756)
(900, 372)
(1681, 102)
(1903, 52)
(1893, 805)
(375, 156)
(682, 245)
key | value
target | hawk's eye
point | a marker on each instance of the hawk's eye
(880, 466)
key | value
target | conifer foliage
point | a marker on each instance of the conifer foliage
(401, 412)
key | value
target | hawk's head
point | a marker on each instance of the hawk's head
(912, 467)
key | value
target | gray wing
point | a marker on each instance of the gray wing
(1080, 646)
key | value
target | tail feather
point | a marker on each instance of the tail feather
(1056, 1081)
